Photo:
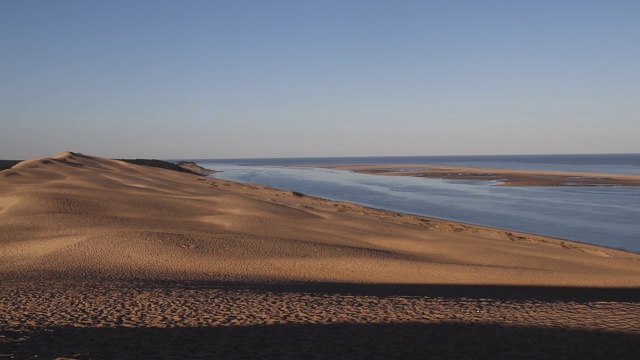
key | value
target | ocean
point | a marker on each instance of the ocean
(601, 215)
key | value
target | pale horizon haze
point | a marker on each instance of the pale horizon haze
(231, 79)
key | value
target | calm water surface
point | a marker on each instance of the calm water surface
(608, 216)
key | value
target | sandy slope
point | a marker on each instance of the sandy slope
(102, 245)
(78, 215)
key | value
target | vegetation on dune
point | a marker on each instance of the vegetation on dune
(159, 164)
(297, 194)
(8, 164)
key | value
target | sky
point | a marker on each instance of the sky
(240, 78)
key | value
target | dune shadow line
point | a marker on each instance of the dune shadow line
(497, 292)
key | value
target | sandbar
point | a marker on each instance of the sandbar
(503, 177)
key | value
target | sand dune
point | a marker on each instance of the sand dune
(75, 229)
(120, 220)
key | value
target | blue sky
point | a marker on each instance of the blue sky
(212, 79)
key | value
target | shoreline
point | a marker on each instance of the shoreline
(522, 235)
(507, 177)
(517, 233)
(572, 231)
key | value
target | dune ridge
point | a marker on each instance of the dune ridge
(91, 247)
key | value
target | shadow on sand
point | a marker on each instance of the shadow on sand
(495, 292)
(416, 340)
(335, 341)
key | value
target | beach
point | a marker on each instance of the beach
(100, 259)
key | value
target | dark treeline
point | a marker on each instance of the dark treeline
(159, 164)
(7, 164)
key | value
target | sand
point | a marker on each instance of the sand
(505, 177)
(104, 259)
